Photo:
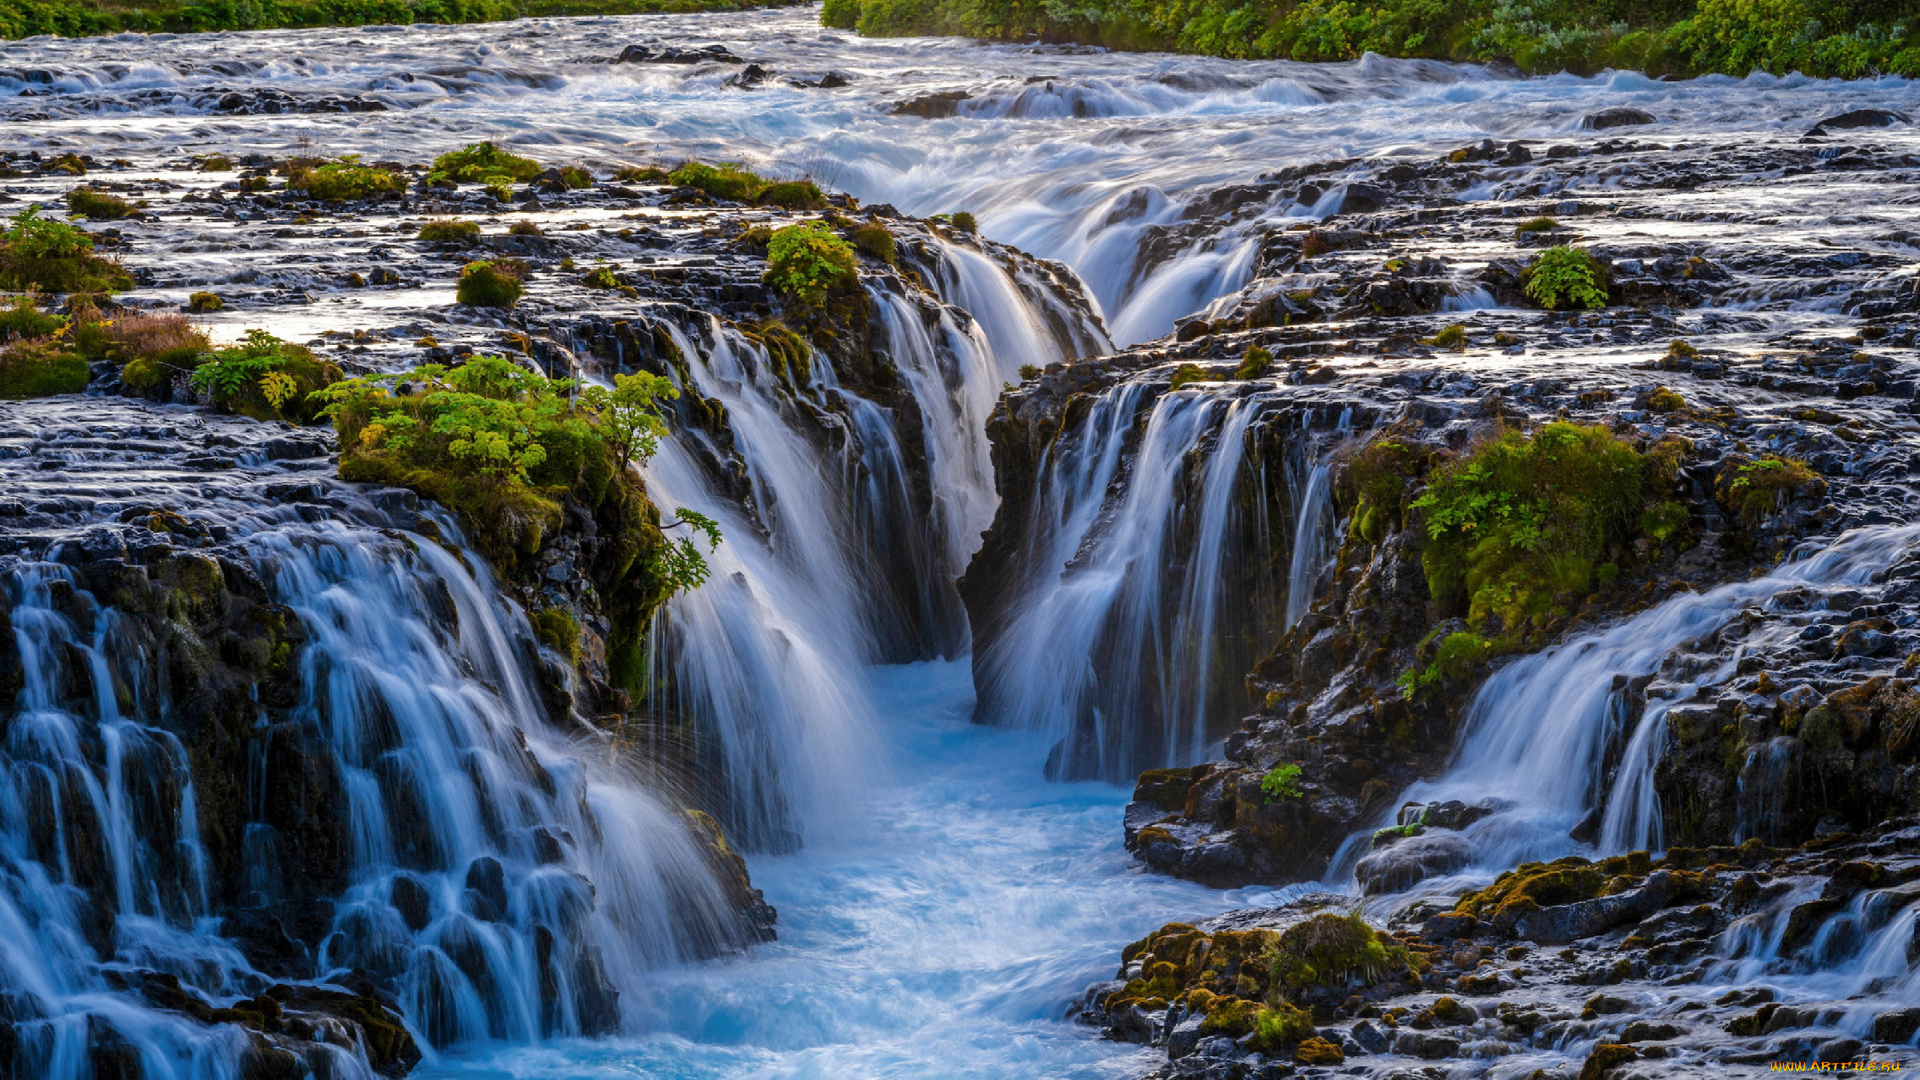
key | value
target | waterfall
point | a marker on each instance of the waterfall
(1536, 733)
(497, 879)
(1312, 535)
(1113, 634)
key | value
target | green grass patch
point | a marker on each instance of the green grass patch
(345, 180)
(450, 231)
(492, 283)
(1755, 489)
(1255, 364)
(98, 205)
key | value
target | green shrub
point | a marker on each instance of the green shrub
(1029, 372)
(1539, 224)
(53, 256)
(449, 231)
(265, 378)
(482, 163)
(1375, 481)
(203, 303)
(68, 164)
(1451, 337)
(601, 277)
(1188, 373)
(24, 319)
(39, 367)
(345, 180)
(728, 180)
(1525, 526)
(1755, 489)
(1282, 782)
(98, 205)
(1255, 364)
(875, 242)
(575, 177)
(1340, 952)
(214, 163)
(840, 14)
(491, 283)
(641, 174)
(1663, 400)
(964, 222)
(524, 228)
(560, 631)
(1455, 658)
(1565, 277)
(792, 195)
(808, 260)
(1278, 1028)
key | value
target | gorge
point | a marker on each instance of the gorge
(1191, 428)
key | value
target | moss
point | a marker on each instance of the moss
(482, 163)
(491, 283)
(524, 228)
(262, 377)
(560, 631)
(68, 164)
(1457, 656)
(1189, 373)
(576, 177)
(98, 205)
(33, 368)
(875, 242)
(1682, 350)
(38, 253)
(1278, 1027)
(727, 180)
(1663, 400)
(1255, 363)
(1539, 224)
(345, 180)
(1531, 885)
(1318, 1051)
(1754, 489)
(1330, 952)
(1450, 337)
(205, 302)
(1524, 527)
(641, 174)
(1374, 482)
(450, 231)
(792, 195)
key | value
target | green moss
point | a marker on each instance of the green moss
(524, 228)
(1536, 885)
(875, 242)
(1663, 400)
(204, 302)
(1374, 484)
(641, 174)
(1539, 224)
(1332, 952)
(600, 278)
(840, 14)
(964, 222)
(792, 195)
(1455, 658)
(482, 163)
(560, 631)
(491, 283)
(1524, 527)
(1255, 364)
(345, 180)
(809, 260)
(39, 368)
(1189, 373)
(22, 318)
(449, 231)
(1563, 277)
(1451, 337)
(98, 205)
(727, 180)
(575, 177)
(1757, 488)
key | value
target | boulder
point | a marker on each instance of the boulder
(1860, 118)
(1618, 116)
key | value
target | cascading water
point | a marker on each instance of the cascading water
(496, 880)
(1312, 536)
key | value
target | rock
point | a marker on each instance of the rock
(1412, 860)
(1359, 198)
(1648, 1031)
(1605, 1058)
(1449, 925)
(1421, 1044)
(1607, 1005)
(1896, 1027)
(411, 900)
(932, 106)
(1369, 1038)
(674, 54)
(486, 896)
(1861, 118)
(1184, 1039)
(1564, 923)
(1318, 1051)
(1618, 116)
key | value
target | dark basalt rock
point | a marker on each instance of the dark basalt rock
(1618, 116)
(932, 106)
(675, 54)
(1860, 118)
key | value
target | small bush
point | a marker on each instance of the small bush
(1539, 224)
(1755, 489)
(482, 163)
(1663, 400)
(840, 14)
(728, 180)
(215, 163)
(1456, 658)
(39, 367)
(1276, 1029)
(53, 256)
(1565, 277)
(576, 177)
(493, 283)
(448, 231)
(524, 228)
(875, 242)
(1682, 350)
(24, 319)
(151, 349)
(1334, 951)
(601, 277)
(98, 205)
(1451, 337)
(203, 303)
(1029, 372)
(265, 378)
(641, 174)
(792, 195)
(68, 164)
(759, 236)
(809, 260)
(1282, 782)
(964, 222)
(345, 180)
(1188, 373)
(1255, 364)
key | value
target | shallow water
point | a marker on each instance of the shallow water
(941, 930)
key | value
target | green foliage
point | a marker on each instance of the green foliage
(641, 174)
(265, 378)
(1524, 527)
(1189, 373)
(792, 195)
(98, 205)
(600, 277)
(1451, 337)
(875, 242)
(24, 319)
(38, 367)
(215, 163)
(1029, 372)
(491, 283)
(1565, 277)
(1539, 224)
(727, 180)
(204, 302)
(964, 222)
(53, 256)
(1282, 782)
(558, 630)
(1456, 658)
(1755, 489)
(345, 180)
(501, 445)
(1663, 37)
(73, 18)
(575, 177)
(809, 260)
(1256, 363)
(1334, 951)
(1663, 400)
(1374, 483)
(449, 231)
(1279, 1027)
(485, 164)
(524, 228)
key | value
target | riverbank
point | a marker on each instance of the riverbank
(1680, 38)
(67, 18)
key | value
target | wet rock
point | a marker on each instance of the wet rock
(411, 900)
(1422, 1044)
(1605, 1059)
(1358, 198)
(1369, 1038)
(486, 896)
(1860, 118)
(1184, 1039)
(1896, 1027)
(674, 54)
(932, 106)
(1617, 116)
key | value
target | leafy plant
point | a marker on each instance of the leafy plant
(482, 163)
(491, 283)
(964, 222)
(345, 180)
(1565, 276)
(808, 260)
(1282, 782)
(54, 256)
(1255, 364)
(35, 237)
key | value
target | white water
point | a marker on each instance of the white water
(1082, 158)
(941, 933)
